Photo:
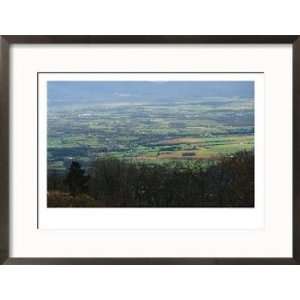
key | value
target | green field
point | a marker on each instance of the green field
(203, 129)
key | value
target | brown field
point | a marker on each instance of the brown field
(197, 154)
(183, 140)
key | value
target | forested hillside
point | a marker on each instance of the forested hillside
(110, 182)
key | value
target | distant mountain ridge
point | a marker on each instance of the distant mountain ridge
(91, 91)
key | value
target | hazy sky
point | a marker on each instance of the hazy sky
(146, 90)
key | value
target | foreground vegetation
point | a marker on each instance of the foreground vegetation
(110, 182)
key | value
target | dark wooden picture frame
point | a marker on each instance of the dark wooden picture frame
(7, 41)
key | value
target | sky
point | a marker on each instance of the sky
(145, 90)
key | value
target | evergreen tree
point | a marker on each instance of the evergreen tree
(76, 180)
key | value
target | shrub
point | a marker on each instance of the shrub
(61, 199)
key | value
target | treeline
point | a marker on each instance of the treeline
(115, 183)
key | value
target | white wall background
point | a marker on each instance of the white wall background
(149, 17)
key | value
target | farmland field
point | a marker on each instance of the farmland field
(149, 131)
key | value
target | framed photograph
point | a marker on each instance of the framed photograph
(149, 150)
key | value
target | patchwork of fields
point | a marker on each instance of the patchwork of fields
(154, 132)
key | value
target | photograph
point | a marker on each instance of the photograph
(150, 143)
